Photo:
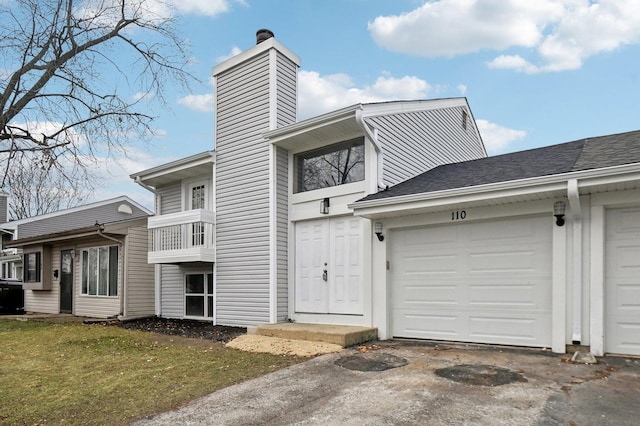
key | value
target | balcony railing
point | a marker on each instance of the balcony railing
(182, 237)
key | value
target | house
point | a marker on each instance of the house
(260, 230)
(535, 248)
(390, 215)
(88, 261)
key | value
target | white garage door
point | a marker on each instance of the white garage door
(485, 282)
(622, 282)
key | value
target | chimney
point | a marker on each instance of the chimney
(262, 35)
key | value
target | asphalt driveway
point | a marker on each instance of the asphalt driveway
(428, 385)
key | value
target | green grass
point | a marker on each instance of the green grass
(77, 374)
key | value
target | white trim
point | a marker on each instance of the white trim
(558, 288)
(273, 236)
(597, 279)
(259, 48)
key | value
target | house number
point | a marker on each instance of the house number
(459, 215)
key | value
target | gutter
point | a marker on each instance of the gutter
(373, 137)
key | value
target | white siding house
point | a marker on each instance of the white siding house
(390, 215)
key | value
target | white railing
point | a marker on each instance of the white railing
(182, 237)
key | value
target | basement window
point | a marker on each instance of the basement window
(332, 165)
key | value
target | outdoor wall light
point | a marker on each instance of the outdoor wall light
(377, 227)
(558, 211)
(324, 206)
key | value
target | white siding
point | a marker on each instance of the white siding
(139, 275)
(282, 206)
(242, 179)
(415, 142)
(170, 198)
(171, 291)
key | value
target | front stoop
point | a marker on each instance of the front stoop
(343, 335)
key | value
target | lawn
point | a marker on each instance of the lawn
(78, 374)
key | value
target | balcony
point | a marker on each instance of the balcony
(182, 237)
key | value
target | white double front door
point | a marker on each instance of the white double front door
(328, 266)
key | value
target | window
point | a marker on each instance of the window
(100, 271)
(198, 197)
(330, 166)
(32, 267)
(199, 295)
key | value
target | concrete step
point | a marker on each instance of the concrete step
(343, 335)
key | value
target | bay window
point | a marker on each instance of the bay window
(100, 271)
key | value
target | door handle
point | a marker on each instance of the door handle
(324, 273)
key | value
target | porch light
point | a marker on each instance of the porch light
(558, 211)
(377, 227)
(324, 206)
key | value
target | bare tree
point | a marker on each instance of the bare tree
(73, 76)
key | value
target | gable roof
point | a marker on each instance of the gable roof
(586, 154)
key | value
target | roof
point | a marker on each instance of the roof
(585, 154)
(347, 121)
(123, 198)
(182, 168)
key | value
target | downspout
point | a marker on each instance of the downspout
(576, 215)
(373, 136)
(100, 229)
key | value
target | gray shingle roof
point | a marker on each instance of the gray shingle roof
(585, 154)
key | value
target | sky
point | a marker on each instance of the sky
(535, 73)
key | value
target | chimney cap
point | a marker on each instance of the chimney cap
(263, 34)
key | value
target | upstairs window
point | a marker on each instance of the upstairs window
(330, 166)
(198, 197)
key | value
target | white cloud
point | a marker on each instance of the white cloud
(202, 7)
(143, 95)
(319, 94)
(235, 50)
(560, 34)
(462, 88)
(496, 138)
(202, 103)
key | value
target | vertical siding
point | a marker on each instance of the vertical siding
(140, 275)
(282, 235)
(170, 198)
(171, 291)
(94, 306)
(45, 301)
(419, 141)
(242, 185)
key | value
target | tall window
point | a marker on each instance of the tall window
(32, 267)
(199, 295)
(198, 197)
(100, 271)
(330, 166)
(198, 201)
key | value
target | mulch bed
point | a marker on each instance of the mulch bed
(185, 328)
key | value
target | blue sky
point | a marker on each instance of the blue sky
(535, 73)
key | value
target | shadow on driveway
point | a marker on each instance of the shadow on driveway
(427, 384)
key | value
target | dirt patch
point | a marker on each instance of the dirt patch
(371, 362)
(184, 328)
(480, 375)
(278, 346)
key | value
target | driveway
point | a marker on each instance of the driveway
(437, 385)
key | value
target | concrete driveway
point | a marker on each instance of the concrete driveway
(439, 385)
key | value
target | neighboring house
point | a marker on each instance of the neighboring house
(10, 258)
(274, 197)
(88, 260)
(472, 251)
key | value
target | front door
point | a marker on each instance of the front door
(328, 269)
(66, 282)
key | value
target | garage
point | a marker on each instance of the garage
(483, 282)
(622, 281)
